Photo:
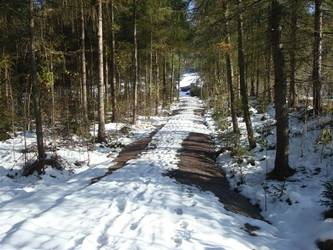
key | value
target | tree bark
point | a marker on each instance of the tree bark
(36, 87)
(101, 92)
(172, 87)
(292, 55)
(157, 84)
(281, 169)
(229, 73)
(179, 76)
(106, 82)
(317, 57)
(150, 70)
(113, 68)
(267, 86)
(243, 87)
(257, 78)
(84, 67)
(165, 94)
(135, 64)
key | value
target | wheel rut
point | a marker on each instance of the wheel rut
(129, 152)
(197, 166)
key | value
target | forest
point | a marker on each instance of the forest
(166, 124)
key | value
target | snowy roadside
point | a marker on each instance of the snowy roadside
(294, 207)
(137, 207)
(78, 157)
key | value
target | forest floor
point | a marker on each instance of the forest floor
(138, 197)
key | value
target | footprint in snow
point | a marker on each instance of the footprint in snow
(179, 211)
(103, 239)
(184, 224)
(140, 196)
(134, 226)
(121, 204)
(178, 241)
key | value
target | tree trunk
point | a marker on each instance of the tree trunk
(113, 68)
(257, 76)
(135, 64)
(172, 87)
(243, 87)
(229, 73)
(179, 76)
(35, 87)
(252, 90)
(101, 109)
(157, 84)
(84, 68)
(292, 54)
(150, 70)
(267, 87)
(281, 169)
(106, 82)
(317, 57)
(165, 94)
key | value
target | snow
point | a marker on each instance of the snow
(188, 79)
(138, 207)
(293, 207)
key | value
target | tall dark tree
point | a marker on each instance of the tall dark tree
(84, 65)
(317, 56)
(229, 73)
(135, 64)
(241, 67)
(292, 53)
(281, 168)
(101, 95)
(36, 95)
(113, 66)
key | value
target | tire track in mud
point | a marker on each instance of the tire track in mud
(130, 152)
(197, 167)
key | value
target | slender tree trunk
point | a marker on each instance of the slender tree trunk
(267, 87)
(317, 57)
(106, 82)
(118, 88)
(229, 73)
(172, 82)
(7, 87)
(150, 71)
(35, 86)
(292, 54)
(257, 80)
(179, 76)
(113, 68)
(84, 68)
(243, 87)
(135, 64)
(252, 91)
(101, 109)
(281, 169)
(145, 86)
(6, 82)
(165, 94)
(53, 96)
(157, 84)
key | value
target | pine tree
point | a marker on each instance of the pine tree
(281, 168)
(101, 96)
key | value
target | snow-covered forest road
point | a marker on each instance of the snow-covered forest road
(136, 207)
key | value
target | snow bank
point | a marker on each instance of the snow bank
(294, 206)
